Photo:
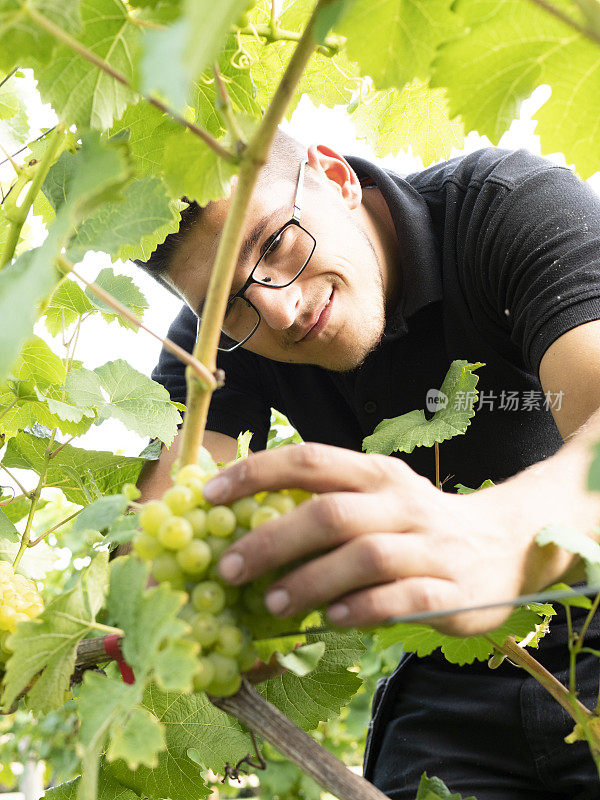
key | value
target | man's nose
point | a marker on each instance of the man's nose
(277, 307)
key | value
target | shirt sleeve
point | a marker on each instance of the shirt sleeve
(536, 261)
(238, 406)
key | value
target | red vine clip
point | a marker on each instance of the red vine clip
(112, 649)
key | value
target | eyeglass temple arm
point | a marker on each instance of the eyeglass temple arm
(299, 189)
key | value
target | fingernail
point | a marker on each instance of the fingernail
(277, 601)
(338, 612)
(231, 566)
(214, 491)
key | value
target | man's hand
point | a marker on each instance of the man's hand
(383, 541)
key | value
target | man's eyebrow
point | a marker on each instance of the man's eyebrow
(250, 243)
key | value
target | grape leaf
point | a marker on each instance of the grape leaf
(576, 542)
(67, 304)
(417, 117)
(8, 531)
(16, 509)
(137, 740)
(188, 46)
(78, 91)
(29, 406)
(49, 642)
(125, 291)
(191, 723)
(148, 130)
(423, 640)
(117, 390)
(319, 696)
(36, 561)
(404, 433)
(126, 228)
(38, 363)
(101, 513)
(510, 49)
(108, 789)
(192, 169)
(21, 40)
(81, 474)
(408, 34)
(574, 600)
(435, 789)
(9, 99)
(302, 660)
(462, 489)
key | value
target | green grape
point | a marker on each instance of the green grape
(179, 499)
(298, 495)
(247, 656)
(194, 558)
(221, 688)
(208, 596)
(243, 510)
(191, 472)
(205, 674)
(166, 570)
(187, 613)
(197, 519)
(8, 618)
(230, 641)
(217, 547)
(146, 546)
(226, 668)
(175, 533)
(131, 491)
(262, 515)
(226, 617)
(205, 628)
(220, 521)
(280, 502)
(238, 533)
(152, 516)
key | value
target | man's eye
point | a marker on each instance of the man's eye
(273, 243)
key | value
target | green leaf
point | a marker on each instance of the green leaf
(435, 789)
(9, 99)
(192, 169)
(188, 46)
(125, 291)
(78, 91)
(408, 34)
(328, 688)
(423, 640)
(116, 390)
(404, 433)
(175, 665)
(462, 489)
(7, 529)
(304, 659)
(121, 531)
(67, 304)
(19, 507)
(36, 561)
(50, 641)
(39, 364)
(243, 445)
(510, 49)
(129, 227)
(81, 474)
(21, 40)
(108, 789)
(148, 130)
(138, 740)
(100, 514)
(576, 542)
(575, 600)
(593, 479)
(417, 117)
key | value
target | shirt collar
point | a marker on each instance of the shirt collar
(419, 253)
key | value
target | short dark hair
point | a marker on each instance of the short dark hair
(286, 153)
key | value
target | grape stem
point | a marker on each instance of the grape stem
(54, 527)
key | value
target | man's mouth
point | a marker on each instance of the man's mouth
(318, 321)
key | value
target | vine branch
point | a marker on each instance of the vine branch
(35, 500)
(254, 157)
(73, 44)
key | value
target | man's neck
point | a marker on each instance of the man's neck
(382, 233)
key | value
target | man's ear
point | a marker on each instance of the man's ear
(335, 172)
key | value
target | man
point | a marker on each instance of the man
(354, 291)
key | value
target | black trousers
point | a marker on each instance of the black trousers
(491, 734)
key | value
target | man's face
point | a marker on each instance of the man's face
(333, 314)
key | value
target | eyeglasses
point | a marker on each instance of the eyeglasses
(285, 256)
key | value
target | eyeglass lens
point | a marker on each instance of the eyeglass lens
(281, 263)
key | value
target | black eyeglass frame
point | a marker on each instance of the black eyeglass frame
(294, 220)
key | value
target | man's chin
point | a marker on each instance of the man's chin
(339, 359)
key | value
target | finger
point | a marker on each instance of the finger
(366, 561)
(313, 467)
(317, 525)
(378, 604)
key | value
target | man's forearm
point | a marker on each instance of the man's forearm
(554, 492)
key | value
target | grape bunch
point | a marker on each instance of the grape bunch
(19, 601)
(183, 537)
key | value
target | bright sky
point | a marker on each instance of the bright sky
(100, 342)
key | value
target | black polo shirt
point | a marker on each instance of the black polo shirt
(500, 255)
